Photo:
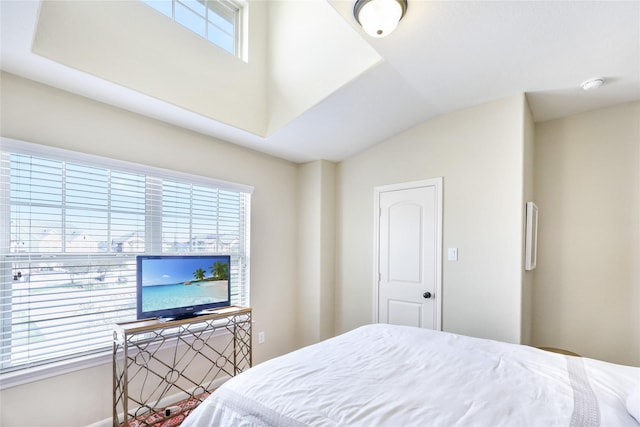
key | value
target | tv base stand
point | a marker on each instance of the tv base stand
(158, 363)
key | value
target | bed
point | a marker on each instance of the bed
(386, 375)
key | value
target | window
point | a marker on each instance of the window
(216, 20)
(71, 226)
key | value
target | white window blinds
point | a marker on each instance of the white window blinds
(70, 228)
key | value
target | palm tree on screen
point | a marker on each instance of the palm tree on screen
(199, 274)
(220, 270)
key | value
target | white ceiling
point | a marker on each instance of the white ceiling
(444, 56)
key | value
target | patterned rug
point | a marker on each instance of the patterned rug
(159, 419)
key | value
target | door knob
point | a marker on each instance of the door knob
(427, 295)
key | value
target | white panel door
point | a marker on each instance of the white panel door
(409, 254)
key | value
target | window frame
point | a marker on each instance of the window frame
(7, 145)
(218, 7)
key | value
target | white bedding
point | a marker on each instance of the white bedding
(385, 375)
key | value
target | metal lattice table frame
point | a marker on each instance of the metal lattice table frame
(155, 361)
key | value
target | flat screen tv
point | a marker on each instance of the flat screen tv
(181, 286)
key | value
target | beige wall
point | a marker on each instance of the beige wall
(316, 251)
(587, 284)
(40, 114)
(301, 69)
(479, 152)
(116, 46)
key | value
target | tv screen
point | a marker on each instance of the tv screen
(179, 286)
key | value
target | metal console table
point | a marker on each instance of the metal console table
(156, 363)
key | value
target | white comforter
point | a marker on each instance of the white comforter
(384, 375)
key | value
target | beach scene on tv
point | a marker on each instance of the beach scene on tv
(183, 282)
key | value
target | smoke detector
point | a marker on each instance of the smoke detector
(592, 84)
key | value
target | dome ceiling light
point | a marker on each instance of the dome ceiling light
(379, 17)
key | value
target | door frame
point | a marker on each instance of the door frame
(432, 182)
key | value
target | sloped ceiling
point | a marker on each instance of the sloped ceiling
(315, 86)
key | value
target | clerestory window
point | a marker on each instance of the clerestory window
(216, 20)
(71, 226)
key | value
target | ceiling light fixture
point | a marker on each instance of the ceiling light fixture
(379, 17)
(592, 84)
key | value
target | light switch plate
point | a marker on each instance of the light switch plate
(452, 254)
